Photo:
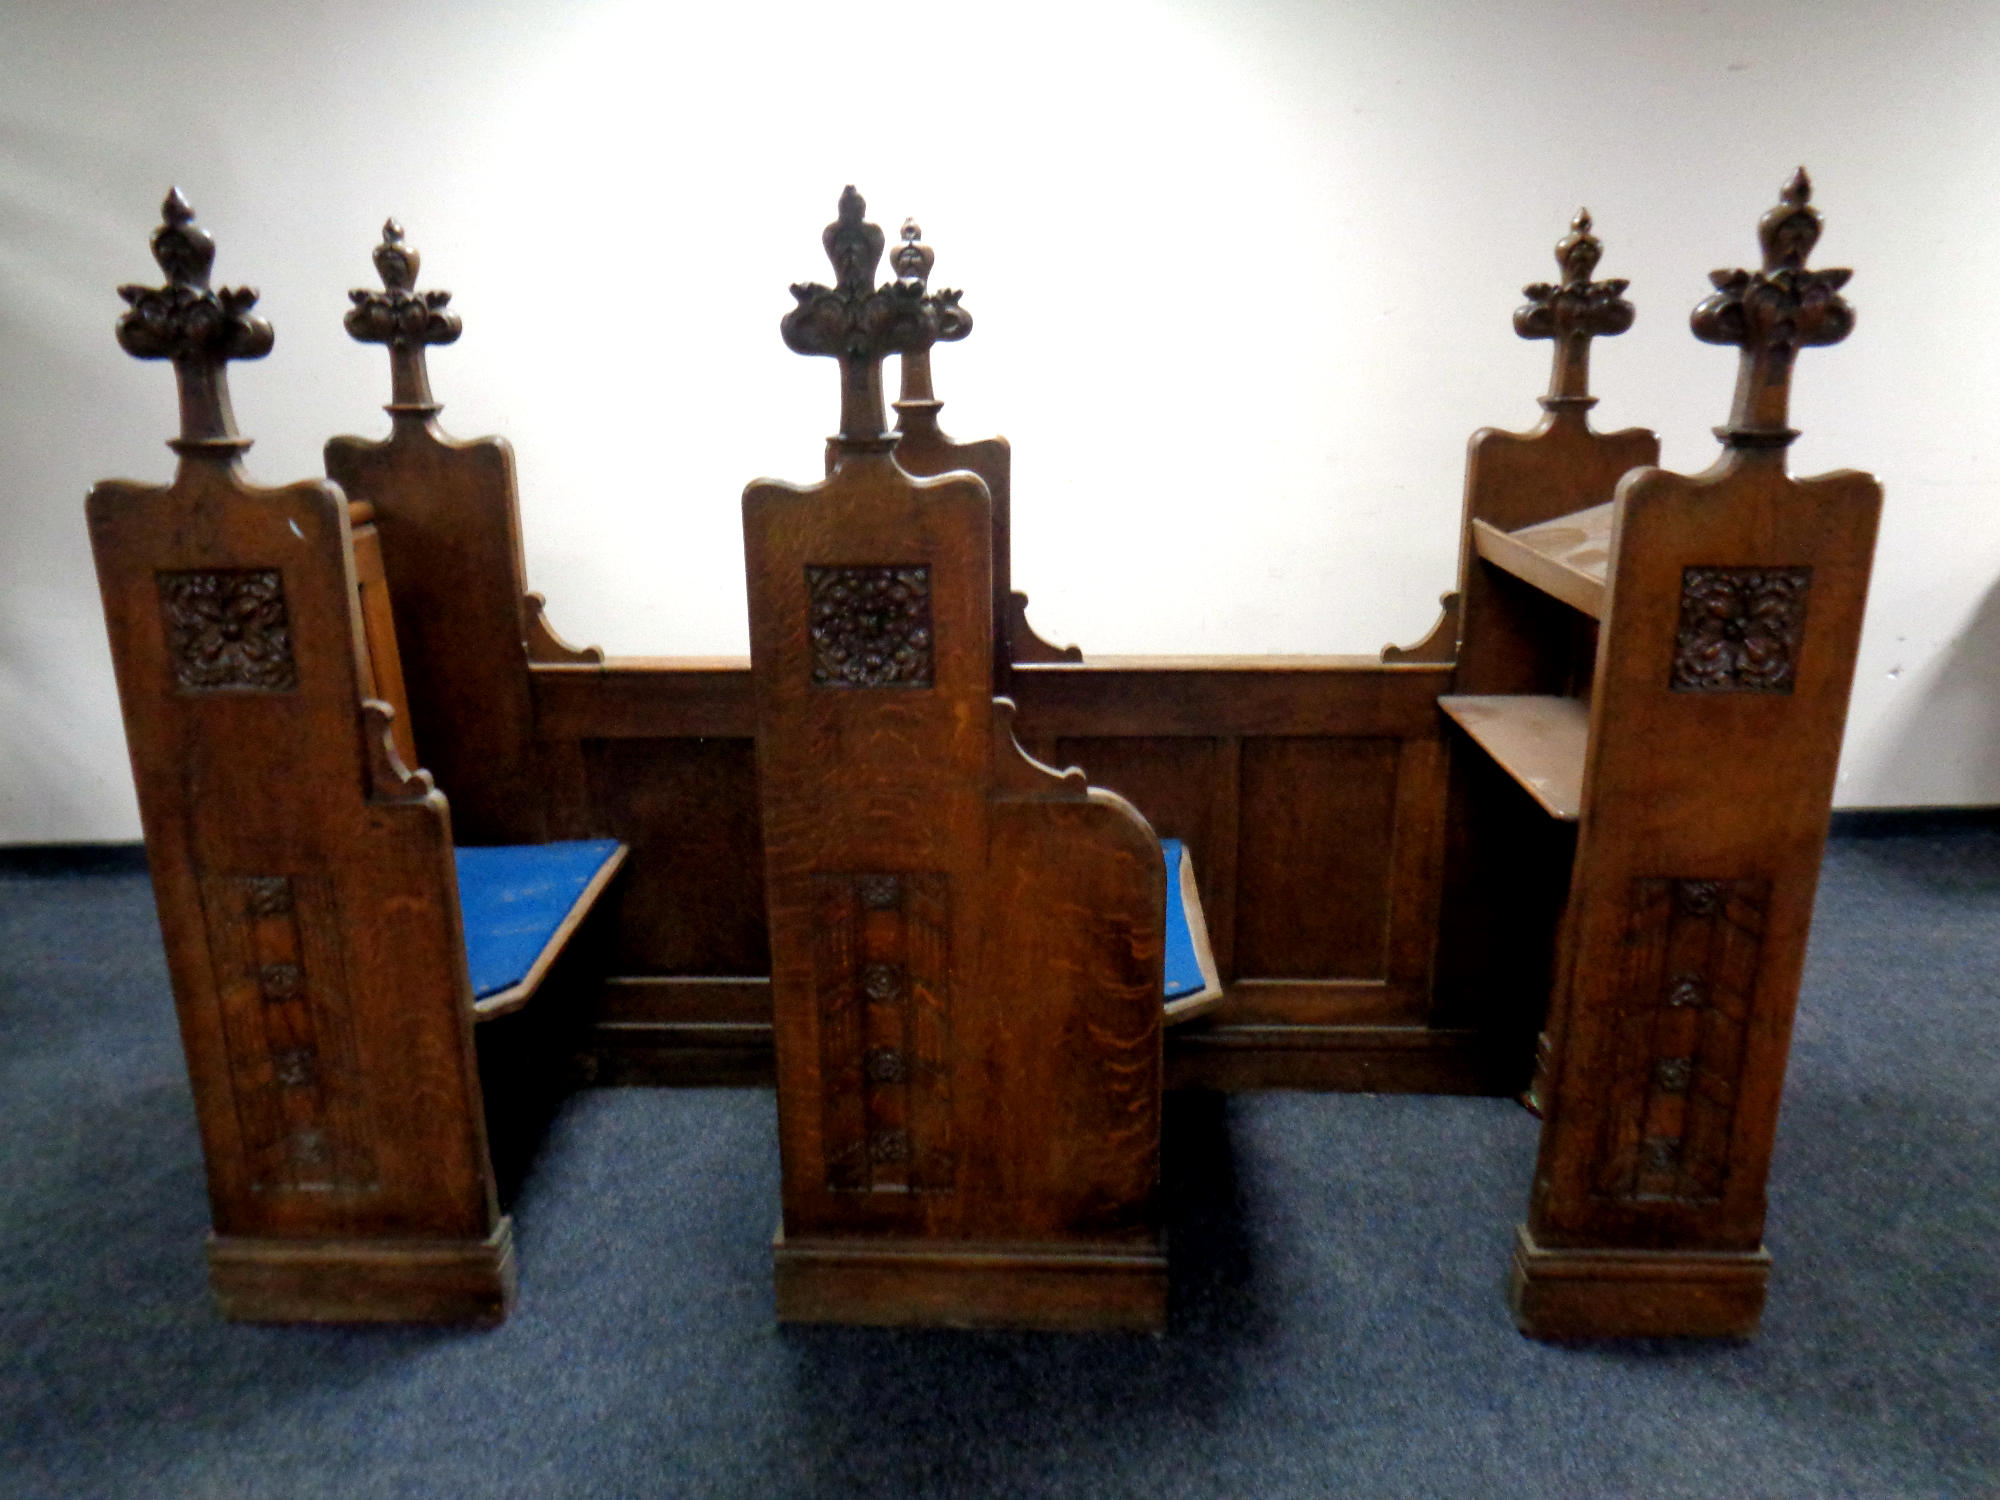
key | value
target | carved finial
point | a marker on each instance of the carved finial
(407, 320)
(199, 329)
(858, 323)
(395, 262)
(916, 403)
(913, 258)
(1573, 313)
(1772, 314)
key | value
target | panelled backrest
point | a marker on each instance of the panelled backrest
(303, 874)
(966, 946)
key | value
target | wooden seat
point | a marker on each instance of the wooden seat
(308, 889)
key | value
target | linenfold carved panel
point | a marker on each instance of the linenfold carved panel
(275, 943)
(227, 629)
(870, 626)
(1677, 1053)
(1740, 629)
(881, 962)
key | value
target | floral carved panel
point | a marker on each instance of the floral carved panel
(227, 629)
(870, 626)
(1740, 629)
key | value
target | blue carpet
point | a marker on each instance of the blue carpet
(1339, 1261)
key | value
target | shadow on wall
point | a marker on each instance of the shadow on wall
(1958, 704)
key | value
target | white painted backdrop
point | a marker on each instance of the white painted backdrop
(1242, 274)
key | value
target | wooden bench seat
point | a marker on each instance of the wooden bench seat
(521, 904)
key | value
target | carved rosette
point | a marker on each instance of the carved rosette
(870, 626)
(1740, 629)
(1773, 313)
(1574, 311)
(198, 327)
(227, 629)
(857, 322)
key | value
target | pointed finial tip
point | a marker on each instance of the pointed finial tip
(911, 233)
(176, 210)
(1581, 223)
(1799, 190)
(852, 205)
(392, 232)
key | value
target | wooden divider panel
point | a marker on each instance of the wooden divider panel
(965, 945)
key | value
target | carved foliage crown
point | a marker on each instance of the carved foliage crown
(400, 314)
(854, 319)
(913, 260)
(1784, 307)
(186, 320)
(1577, 305)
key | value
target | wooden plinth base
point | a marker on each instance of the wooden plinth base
(1599, 1294)
(364, 1281)
(951, 1284)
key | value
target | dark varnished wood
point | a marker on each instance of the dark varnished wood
(1730, 622)
(1518, 639)
(302, 866)
(452, 555)
(965, 944)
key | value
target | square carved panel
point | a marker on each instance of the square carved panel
(870, 626)
(227, 629)
(1740, 629)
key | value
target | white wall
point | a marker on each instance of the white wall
(1242, 276)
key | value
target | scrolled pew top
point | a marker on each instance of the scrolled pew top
(1771, 314)
(406, 320)
(1572, 313)
(861, 324)
(198, 327)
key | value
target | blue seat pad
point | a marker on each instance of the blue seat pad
(1183, 969)
(514, 897)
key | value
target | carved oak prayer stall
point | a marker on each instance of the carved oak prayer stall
(966, 945)
(324, 941)
(1682, 709)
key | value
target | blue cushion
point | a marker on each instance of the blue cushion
(1183, 968)
(514, 897)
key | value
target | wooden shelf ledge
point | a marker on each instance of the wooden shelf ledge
(1567, 557)
(1540, 742)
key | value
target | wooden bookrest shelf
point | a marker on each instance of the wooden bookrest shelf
(1539, 741)
(1567, 557)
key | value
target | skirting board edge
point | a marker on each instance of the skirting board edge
(954, 1284)
(269, 1280)
(1560, 1293)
